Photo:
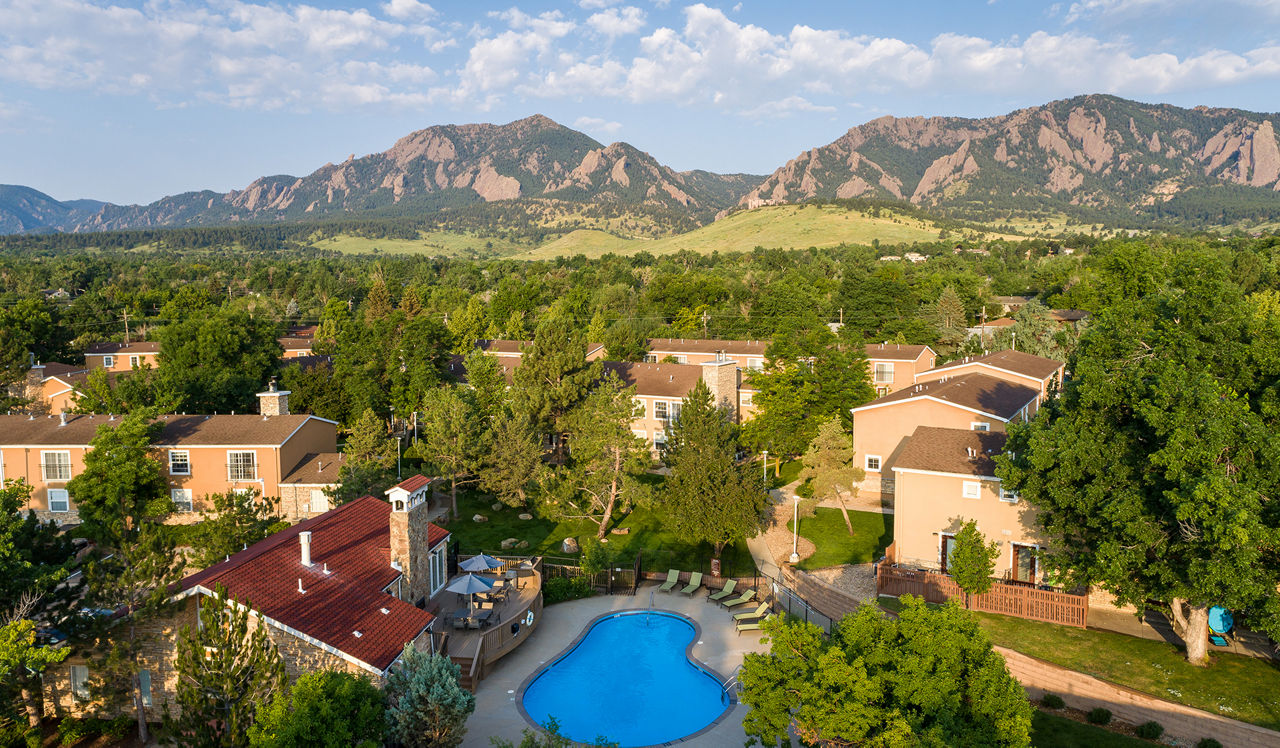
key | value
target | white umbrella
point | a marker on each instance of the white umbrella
(480, 563)
(470, 585)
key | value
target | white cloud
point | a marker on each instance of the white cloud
(617, 22)
(596, 124)
(1085, 9)
(409, 10)
(596, 4)
(785, 108)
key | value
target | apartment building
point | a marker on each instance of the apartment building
(122, 356)
(946, 477)
(342, 590)
(514, 349)
(973, 402)
(894, 366)
(1043, 374)
(200, 454)
(747, 354)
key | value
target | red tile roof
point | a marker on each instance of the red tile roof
(435, 534)
(354, 541)
(414, 483)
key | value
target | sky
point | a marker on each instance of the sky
(132, 100)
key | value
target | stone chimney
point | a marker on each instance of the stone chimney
(273, 402)
(722, 379)
(409, 526)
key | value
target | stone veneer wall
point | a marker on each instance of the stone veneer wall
(409, 548)
(722, 379)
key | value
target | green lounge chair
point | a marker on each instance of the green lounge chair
(759, 612)
(695, 582)
(755, 626)
(727, 591)
(673, 578)
(746, 597)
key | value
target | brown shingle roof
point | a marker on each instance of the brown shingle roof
(296, 344)
(657, 380)
(1068, 315)
(895, 352)
(978, 392)
(1010, 360)
(947, 451)
(193, 431)
(316, 469)
(55, 369)
(354, 540)
(503, 346)
(123, 348)
(695, 345)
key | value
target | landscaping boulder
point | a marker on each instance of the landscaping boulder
(522, 544)
(621, 531)
(570, 545)
(526, 516)
(496, 506)
(510, 543)
(479, 518)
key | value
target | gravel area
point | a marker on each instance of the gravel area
(858, 580)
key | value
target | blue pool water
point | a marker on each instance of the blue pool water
(628, 680)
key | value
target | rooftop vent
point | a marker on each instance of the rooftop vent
(385, 612)
(300, 590)
(971, 451)
(357, 634)
(304, 538)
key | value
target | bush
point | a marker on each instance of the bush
(1052, 701)
(1099, 716)
(1208, 743)
(559, 589)
(1150, 730)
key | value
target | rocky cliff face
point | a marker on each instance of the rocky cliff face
(1098, 151)
(442, 167)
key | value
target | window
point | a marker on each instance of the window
(181, 499)
(319, 502)
(884, 373)
(437, 568)
(746, 399)
(144, 685)
(659, 438)
(1009, 496)
(660, 410)
(675, 411)
(108, 361)
(755, 364)
(650, 358)
(946, 548)
(972, 490)
(59, 500)
(179, 462)
(1025, 566)
(242, 466)
(873, 462)
(980, 426)
(56, 466)
(135, 362)
(681, 358)
(80, 682)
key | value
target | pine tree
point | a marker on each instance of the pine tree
(426, 707)
(512, 459)
(831, 467)
(238, 520)
(450, 436)
(377, 305)
(951, 317)
(369, 442)
(554, 375)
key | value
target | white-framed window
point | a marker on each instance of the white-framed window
(144, 685)
(660, 410)
(181, 499)
(639, 433)
(437, 564)
(971, 489)
(135, 362)
(1008, 496)
(650, 358)
(872, 462)
(179, 462)
(80, 682)
(674, 410)
(242, 465)
(659, 438)
(884, 373)
(755, 364)
(681, 358)
(55, 465)
(59, 500)
(980, 426)
(319, 501)
(108, 361)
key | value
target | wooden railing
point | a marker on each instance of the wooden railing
(1019, 601)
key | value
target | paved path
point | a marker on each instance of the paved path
(720, 648)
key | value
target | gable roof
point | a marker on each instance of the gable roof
(703, 345)
(1010, 360)
(657, 380)
(939, 450)
(315, 469)
(292, 343)
(977, 392)
(177, 430)
(895, 352)
(55, 369)
(354, 541)
(413, 483)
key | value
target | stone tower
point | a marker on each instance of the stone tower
(410, 520)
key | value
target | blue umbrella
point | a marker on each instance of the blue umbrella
(470, 585)
(480, 563)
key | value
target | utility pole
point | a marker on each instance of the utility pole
(126, 326)
(705, 317)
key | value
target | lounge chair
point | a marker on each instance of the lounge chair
(727, 591)
(759, 612)
(755, 626)
(746, 597)
(673, 578)
(695, 583)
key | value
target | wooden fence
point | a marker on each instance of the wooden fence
(1004, 598)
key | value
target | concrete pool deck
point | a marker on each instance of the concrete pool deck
(721, 648)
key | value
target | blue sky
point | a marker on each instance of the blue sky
(131, 100)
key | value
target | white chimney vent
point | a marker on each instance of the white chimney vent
(304, 538)
(972, 452)
(300, 590)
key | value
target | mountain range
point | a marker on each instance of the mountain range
(1093, 157)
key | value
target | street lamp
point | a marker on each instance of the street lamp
(795, 531)
(766, 467)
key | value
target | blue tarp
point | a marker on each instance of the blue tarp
(1220, 620)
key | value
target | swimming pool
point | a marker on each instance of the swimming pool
(629, 679)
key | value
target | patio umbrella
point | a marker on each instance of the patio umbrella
(469, 585)
(480, 563)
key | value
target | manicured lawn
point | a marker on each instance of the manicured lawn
(786, 473)
(660, 549)
(1052, 731)
(872, 533)
(1243, 688)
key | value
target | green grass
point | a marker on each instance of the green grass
(1234, 686)
(429, 243)
(872, 533)
(787, 473)
(660, 549)
(1052, 731)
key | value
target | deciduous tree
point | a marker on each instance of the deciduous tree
(216, 362)
(325, 709)
(238, 520)
(972, 561)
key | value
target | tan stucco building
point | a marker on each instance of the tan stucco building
(893, 367)
(1044, 374)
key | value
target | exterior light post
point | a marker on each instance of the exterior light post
(795, 532)
(766, 468)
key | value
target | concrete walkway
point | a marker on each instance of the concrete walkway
(721, 648)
